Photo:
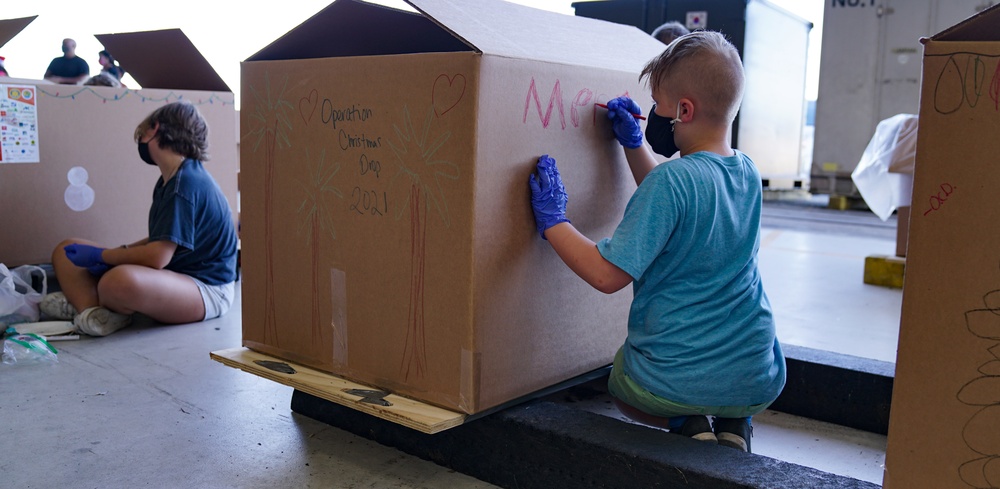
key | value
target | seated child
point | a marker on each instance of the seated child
(184, 270)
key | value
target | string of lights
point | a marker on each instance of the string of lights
(169, 97)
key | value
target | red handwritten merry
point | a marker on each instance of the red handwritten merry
(584, 98)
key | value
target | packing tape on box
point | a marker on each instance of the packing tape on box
(338, 320)
(467, 386)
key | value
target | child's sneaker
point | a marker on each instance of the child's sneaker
(55, 306)
(697, 427)
(100, 321)
(734, 433)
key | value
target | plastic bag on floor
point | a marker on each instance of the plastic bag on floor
(18, 299)
(27, 349)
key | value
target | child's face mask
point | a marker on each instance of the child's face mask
(144, 152)
(660, 132)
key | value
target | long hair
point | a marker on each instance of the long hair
(180, 128)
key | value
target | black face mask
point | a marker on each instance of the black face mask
(660, 134)
(144, 154)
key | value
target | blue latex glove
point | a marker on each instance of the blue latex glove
(548, 195)
(85, 256)
(625, 125)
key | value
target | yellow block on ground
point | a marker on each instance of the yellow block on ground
(839, 202)
(886, 271)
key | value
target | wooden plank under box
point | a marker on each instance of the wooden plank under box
(397, 409)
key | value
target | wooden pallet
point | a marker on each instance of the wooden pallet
(400, 410)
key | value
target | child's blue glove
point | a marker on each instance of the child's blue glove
(548, 195)
(625, 125)
(85, 256)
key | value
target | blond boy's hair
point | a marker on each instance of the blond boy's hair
(702, 65)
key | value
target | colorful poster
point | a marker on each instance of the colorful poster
(18, 124)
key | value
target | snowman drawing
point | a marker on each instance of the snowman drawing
(78, 196)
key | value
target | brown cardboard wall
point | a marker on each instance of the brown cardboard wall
(143, 54)
(945, 423)
(533, 314)
(92, 127)
(357, 178)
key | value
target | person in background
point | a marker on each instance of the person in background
(701, 336)
(669, 31)
(110, 66)
(68, 69)
(184, 270)
(3, 71)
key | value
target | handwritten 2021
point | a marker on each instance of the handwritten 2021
(369, 201)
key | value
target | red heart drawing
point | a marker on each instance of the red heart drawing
(310, 106)
(447, 93)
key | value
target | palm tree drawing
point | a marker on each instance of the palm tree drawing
(419, 170)
(316, 216)
(271, 127)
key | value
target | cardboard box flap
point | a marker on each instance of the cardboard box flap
(979, 27)
(12, 27)
(511, 30)
(163, 59)
(355, 28)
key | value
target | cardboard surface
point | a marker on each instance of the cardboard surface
(395, 188)
(977, 28)
(91, 128)
(12, 27)
(163, 59)
(344, 29)
(515, 31)
(945, 419)
(902, 229)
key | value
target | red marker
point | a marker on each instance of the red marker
(637, 116)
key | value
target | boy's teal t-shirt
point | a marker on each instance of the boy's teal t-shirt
(700, 329)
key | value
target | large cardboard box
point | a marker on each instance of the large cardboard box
(83, 177)
(387, 230)
(944, 429)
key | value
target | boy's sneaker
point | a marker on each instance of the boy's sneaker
(734, 433)
(100, 321)
(697, 427)
(55, 306)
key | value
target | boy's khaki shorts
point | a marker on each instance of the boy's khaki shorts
(627, 391)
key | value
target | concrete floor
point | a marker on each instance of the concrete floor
(147, 407)
(812, 261)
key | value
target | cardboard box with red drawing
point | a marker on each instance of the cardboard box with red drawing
(945, 418)
(387, 232)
